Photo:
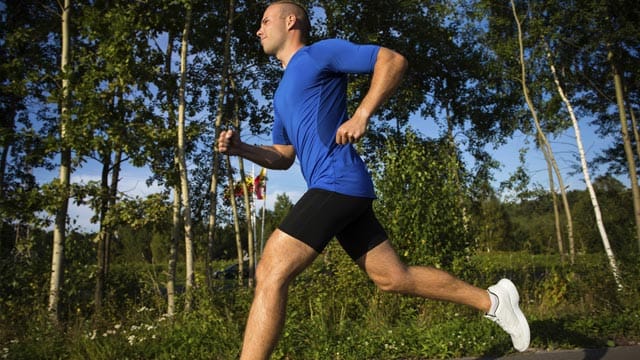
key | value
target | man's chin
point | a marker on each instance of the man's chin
(268, 51)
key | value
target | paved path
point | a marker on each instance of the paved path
(614, 353)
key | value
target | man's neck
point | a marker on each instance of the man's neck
(287, 53)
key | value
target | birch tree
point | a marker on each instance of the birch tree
(236, 219)
(585, 172)
(176, 204)
(182, 162)
(599, 58)
(545, 146)
(112, 54)
(247, 195)
(59, 230)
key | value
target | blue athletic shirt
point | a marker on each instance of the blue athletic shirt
(310, 104)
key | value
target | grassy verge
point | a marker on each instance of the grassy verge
(335, 312)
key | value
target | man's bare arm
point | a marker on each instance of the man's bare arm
(387, 75)
(279, 157)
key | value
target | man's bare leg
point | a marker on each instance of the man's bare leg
(283, 258)
(384, 267)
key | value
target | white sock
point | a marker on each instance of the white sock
(494, 303)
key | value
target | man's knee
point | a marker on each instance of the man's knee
(391, 280)
(268, 274)
(274, 274)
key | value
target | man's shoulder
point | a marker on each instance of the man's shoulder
(325, 50)
(330, 43)
(332, 40)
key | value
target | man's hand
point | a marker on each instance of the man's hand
(351, 131)
(387, 74)
(229, 142)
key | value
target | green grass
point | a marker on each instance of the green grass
(335, 312)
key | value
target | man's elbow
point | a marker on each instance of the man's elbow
(393, 60)
(401, 62)
(287, 163)
(281, 165)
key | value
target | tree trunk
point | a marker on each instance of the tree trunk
(553, 165)
(213, 190)
(184, 182)
(173, 252)
(634, 126)
(556, 214)
(3, 166)
(236, 222)
(248, 201)
(105, 235)
(102, 234)
(175, 209)
(544, 143)
(566, 207)
(113, 196)
(248, 206)
(59, 230)
(587, 179)
(633, 176)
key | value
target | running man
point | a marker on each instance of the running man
(311, 122)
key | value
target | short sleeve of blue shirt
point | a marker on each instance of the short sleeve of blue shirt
(310, 104)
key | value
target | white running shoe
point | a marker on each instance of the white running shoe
(508, 314)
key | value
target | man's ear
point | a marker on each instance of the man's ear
(291, 21)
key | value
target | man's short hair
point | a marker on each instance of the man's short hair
(301, 14)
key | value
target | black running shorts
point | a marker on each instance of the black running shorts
(320, 215)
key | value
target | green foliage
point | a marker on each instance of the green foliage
(493, 226)
(532, 228)
(335, 312)
(23, 283)
(421, 200)
(617, 215)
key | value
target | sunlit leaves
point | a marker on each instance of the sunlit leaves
(420, 200)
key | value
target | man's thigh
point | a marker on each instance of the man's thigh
(381, 262)
(284, 256)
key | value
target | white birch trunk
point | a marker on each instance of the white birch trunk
(587, 178)
(184, 182)
(173, 252)
(236, 222)
(59, 230)
(556, 214)
(175, 208)
(248, 206)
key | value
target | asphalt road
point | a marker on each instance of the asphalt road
(614, 353)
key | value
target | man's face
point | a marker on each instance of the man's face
(272, 30)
